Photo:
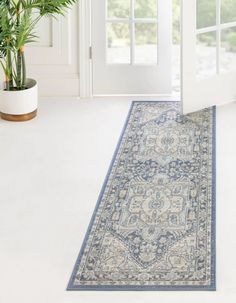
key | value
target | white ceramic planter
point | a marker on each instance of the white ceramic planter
(19, 105)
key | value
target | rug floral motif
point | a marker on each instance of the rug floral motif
(154, 224)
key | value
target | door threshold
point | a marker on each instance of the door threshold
(133, 97)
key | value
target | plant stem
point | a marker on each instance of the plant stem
(19, 59)
(23, 68)
(7, 84)
(7, 73)
(10, 70)
(18, 69)
(9, 79)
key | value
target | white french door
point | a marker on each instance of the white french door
(208, 53)
(131, 46)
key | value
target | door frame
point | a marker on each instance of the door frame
(85, 53)
(85, 41)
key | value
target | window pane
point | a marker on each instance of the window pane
(228, 11)
(118, 43)
(118, 8)
(145, 43)
(145, 8)
(228, 49)
(206, 13)
(206, 55)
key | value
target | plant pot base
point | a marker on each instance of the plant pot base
(19, 118)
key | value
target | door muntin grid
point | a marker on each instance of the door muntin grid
(215, 37)
(132, 32)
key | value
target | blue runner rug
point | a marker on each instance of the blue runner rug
(154, 224)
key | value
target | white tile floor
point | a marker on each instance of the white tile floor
(51, 172)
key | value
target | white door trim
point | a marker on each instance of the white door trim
(85, 68)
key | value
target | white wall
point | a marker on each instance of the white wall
(53, 61)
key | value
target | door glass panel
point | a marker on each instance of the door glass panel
(145, 43)
(206, 55)
(206, 13)
(118, 8)
(142, 33)
(118, 43)
(228, 11)
(228, 50)
(145, 8)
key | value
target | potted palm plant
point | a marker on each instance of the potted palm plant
(18, 18)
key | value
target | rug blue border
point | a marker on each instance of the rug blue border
(212, 287)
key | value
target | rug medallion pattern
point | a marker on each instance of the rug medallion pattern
(153, 227)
